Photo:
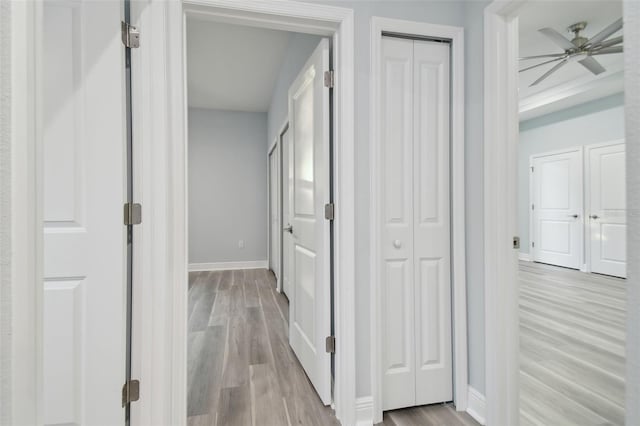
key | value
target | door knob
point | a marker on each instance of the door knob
(575, 216)
(397, 243)
(288, 229)
(594, 216)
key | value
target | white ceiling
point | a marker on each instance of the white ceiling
(573, 84)
(232, 67)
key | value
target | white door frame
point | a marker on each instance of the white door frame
(159, 81)
(458, 254)
(500, 195)
(274, 149)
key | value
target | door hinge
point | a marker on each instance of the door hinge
(329, 211)
(532, 169)
(533, 206)
(533, 244)
(329, 79)
(516, 242)
(330, 344)
(132, 214)
(130, 35)
(130, 392)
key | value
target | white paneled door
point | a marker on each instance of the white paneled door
(415, 265)
(607, 209)
(557, 206)
(274, 212)
(309, 315)
(84, 237)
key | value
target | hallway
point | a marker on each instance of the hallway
(241, 370)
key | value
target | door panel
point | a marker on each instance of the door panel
(557, 188)
(84, 237)
(607, 209)
(274, 208)
(432, 232)
(398, 319)
(287, 194)
(415, 228)
(310, 320)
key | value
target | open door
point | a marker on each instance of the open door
(84, 176)
(309, 307)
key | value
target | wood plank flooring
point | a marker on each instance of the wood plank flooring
(241, 370)
(572, 347)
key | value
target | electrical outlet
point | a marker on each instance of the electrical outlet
(241, 244)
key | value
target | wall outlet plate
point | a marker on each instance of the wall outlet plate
(241, 244)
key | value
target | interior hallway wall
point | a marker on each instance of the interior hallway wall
(227, 186)
(300, 48)
(601, 120)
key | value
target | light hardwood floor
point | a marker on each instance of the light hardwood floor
(241, 370)
(572, 342)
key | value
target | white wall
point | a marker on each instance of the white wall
(597, 121)
(227, 186)
(300, 47)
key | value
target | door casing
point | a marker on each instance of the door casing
(455, 35)
(159, 357)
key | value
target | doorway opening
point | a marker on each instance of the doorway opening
(257, 353)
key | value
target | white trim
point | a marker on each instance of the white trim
(226, 266)
(476, 408)
(500, 207)
(613, 80)
(525, 257)
(280, 278)
(22, 209)
(364, 411)
(274, 150)
(458, 254)
(160, 127)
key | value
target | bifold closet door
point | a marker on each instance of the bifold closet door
(607, 209)
(415, 235)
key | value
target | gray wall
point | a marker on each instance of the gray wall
(597, 121)
(227, 186)
(300, 48)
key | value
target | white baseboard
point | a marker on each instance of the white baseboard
(364, 411)
(222, 266)
(476, 406)
(525, 257)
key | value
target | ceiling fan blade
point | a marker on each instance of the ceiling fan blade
(612, 42)
(541, 63)
(551, 55)
(558, 38)
(592, 65)
(607, 50)
(604, 34)
(548, 73)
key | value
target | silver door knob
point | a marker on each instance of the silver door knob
(594, 216)
(288, 229)
(397, 243)
(575, 216)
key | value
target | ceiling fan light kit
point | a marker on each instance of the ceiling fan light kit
(579, 49)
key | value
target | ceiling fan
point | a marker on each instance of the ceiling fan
(579, 49)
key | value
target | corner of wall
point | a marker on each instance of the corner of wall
(476, 407)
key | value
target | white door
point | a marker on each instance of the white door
(84, 236)
(607, 209)
(274, 210)
(557, 206)
(415, 264)
(309, 307)
(287, 195)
